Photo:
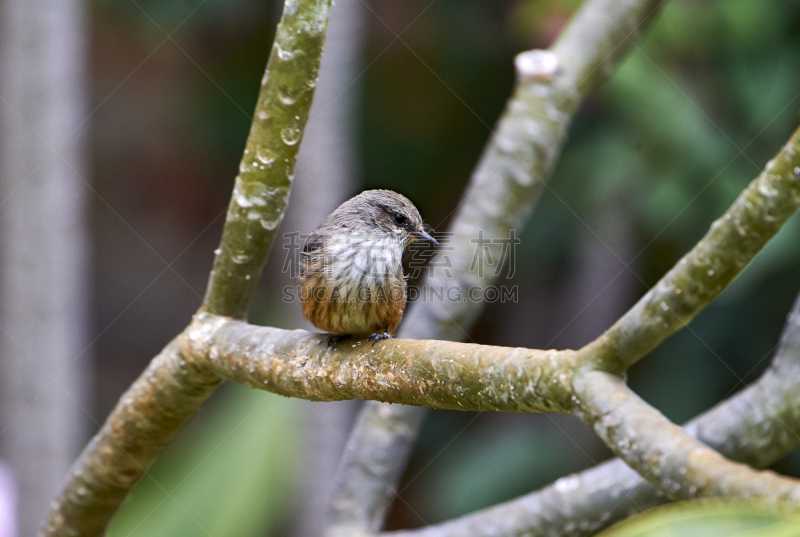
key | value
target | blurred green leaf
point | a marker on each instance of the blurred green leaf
(490, 463)
(708, 518)
(232, 477)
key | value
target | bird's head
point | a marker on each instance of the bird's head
(383, 213)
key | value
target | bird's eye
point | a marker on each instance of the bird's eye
(399, 219)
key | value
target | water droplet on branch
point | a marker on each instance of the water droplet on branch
(290, 135)
(265, 156)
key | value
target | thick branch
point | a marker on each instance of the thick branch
(573, 506)
(382, 440)
(261, 190)
(435, 374)
(506, 184)
(145, 420)
(677, 464)
(731, 243)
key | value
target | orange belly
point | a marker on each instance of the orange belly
(353, 312)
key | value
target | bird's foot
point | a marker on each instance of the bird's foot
(376, 337)
(335, 339)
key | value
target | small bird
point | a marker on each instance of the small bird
(351, 273)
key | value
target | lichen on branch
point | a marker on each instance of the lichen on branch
(431, 373)
(146, 418)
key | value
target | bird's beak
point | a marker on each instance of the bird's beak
(421, 234)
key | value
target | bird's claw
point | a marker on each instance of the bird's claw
(376, 337)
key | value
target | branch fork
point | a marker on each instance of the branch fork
(434, 373)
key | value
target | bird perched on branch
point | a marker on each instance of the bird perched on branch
(351, 273)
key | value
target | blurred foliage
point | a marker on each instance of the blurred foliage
(689, 118)
(492, 462)
(708, 518)
(233, 474)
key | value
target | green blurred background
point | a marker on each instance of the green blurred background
(689, 118)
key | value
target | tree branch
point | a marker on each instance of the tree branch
(523, 151)
(731, 243)
(168, 393)
(435, 374)
(760, 424)
(374, 460)
(757, 426)
(506, 184)
(145, 420)
(261, 190)
(677, 464)
(573, 506)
